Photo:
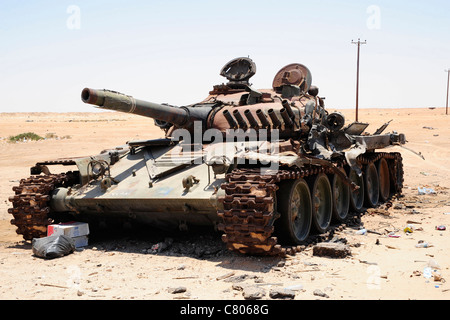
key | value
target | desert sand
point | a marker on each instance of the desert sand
(121, 266)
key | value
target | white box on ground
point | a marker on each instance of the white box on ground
(81, 241)
(70, 229)
(78, 231)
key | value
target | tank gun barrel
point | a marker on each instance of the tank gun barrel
(116, 101)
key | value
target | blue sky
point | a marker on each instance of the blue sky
(172, 51)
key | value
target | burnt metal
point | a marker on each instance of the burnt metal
(167, 182)
(334, 121)
(287, 106)
(294, 74)
(151, 143)
(287, 120)
(263, 118)
(240, 119)
(238, 71)
(251, 120)
(276, 123)
(31, 204)
(230, 119)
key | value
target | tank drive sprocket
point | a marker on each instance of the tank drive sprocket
(31, 209)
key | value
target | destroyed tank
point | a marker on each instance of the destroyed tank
(266, 167)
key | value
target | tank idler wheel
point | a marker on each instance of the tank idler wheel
(371, 185)
(356, 196)
(384, 179)
(341, 197)
(294, 205)
(322, 202)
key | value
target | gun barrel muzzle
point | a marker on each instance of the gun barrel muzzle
(116, 101)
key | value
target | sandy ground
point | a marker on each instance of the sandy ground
(121, 267)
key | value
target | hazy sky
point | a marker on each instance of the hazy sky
(172, 51)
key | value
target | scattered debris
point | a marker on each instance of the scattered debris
(53, 246)
(367, 262)
(424, 190)
(416, 273)
(295, 287)
(331, 249)
(381, 211)
(53, 285)
(374, 232)
(427, 272)
(161, 246)
(225, 276)
(361, 232)
(250, 292)
(175, 290)
(433, 264)
(399, 206)
(393, 235)
(319, 293)
(281, 293)
(236, 279)
(437, 277)
(422, 244)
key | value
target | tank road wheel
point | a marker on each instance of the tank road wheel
(322, 202)
(371, 185)
(294, 205)
(341, 198)
(384, 179)
(357, 196)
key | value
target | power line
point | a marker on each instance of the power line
(359, 43)
(448, 81)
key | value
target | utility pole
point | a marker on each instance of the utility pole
(448, 81)
(359, 43)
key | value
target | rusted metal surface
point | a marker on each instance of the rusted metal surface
(209, 167)
(293, 74)
(116, 101)
(249, 204)
(31, 203)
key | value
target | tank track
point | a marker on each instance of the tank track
(249, 212)
(31, 203)
(395, 162)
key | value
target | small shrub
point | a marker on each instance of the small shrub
(50, 135)
(25, 137)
